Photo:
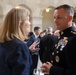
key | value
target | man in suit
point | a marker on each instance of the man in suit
(63, 54)
(32, 39)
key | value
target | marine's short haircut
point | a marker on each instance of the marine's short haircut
(67, 8)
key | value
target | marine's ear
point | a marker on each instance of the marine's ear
(70, 18)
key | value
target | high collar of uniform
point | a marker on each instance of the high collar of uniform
(67, 31)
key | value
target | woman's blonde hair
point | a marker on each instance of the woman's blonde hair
(11, 26)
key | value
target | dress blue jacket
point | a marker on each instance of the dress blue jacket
(15, 58)
(63, 54)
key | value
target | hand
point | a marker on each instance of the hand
(32, 47)
(46, 67)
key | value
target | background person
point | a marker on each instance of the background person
(35, 53)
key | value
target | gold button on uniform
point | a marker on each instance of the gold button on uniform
(51, 61)
(58, 37)
(55, 45)
(57, 52)
(52, 53)
(57, 58)
(62, 33)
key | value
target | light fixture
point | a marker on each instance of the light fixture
(47, 9)
(17, 7)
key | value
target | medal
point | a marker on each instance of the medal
(57, 58)
(62, 47)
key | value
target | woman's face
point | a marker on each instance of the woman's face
(26, 26)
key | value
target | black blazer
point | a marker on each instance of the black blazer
(15, 58)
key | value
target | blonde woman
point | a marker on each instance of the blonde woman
(15, 58)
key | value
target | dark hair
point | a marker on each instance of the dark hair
(67, 8)
(36, 28)
(30, 34)
(44, 30)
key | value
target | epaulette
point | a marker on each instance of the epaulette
(73, 32)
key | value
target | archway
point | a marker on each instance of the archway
(47, 19)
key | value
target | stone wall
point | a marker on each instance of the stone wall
(36, 6)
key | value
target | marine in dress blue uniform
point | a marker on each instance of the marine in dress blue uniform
(63, 54)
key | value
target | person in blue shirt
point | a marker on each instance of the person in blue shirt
(15, 57)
